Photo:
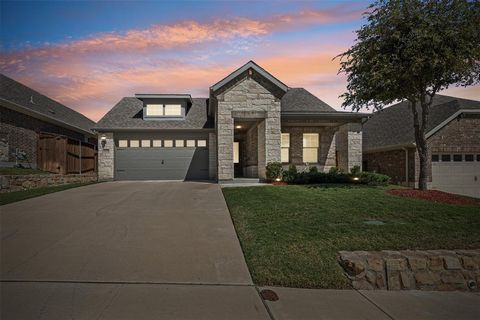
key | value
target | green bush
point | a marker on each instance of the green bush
(355, 171)
(374, 179)
(274, 170)
(290, 174)
(313, 169)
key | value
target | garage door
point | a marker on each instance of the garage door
(458, 177)
(187, 163)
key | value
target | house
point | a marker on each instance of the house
(26, 113)
(453, 137)
(249, 119)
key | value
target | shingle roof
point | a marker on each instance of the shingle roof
(393, 126)
(127, 114)
(300, 100)
(32, 100)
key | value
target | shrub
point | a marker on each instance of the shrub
(374, 179)
(355, 170)
(290, 174)
(334, 170)
(313, 169)
(274, 170)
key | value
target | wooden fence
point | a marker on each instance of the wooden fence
(60, 154)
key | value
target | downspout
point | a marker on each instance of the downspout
(406, 165)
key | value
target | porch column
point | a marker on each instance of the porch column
(269, 138)
(225, 145)
(106, 163)
(348, 140)
(212, 156)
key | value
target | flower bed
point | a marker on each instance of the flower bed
(435, 196)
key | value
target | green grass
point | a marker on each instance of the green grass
(32, 193)
(20, 171)
(291, 235)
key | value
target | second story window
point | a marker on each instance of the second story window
(163, 110)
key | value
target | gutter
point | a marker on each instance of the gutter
(38, 115)
(152, 129)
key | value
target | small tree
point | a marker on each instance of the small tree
(410, 50)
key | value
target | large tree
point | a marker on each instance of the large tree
(410, 50)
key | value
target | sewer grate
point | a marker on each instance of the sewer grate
(268, 295)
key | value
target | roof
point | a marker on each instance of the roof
(245, 67)
(393, 126)
(163, 96)
(128, 114)
(35, 104)
(300, 100)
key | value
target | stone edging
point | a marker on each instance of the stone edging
(412, 270)
(11, 183)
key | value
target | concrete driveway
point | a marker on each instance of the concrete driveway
(148, 232)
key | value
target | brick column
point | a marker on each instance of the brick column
(106, 157)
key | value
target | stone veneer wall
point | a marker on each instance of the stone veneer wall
(412, 270)
(106, 160)
(10, 183)
(212, 156)
(247, 95)
(349, 146)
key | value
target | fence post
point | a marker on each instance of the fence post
(80, 142)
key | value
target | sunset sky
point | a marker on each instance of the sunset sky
(88, 55)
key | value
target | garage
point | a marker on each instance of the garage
(171, 159)
(457, 173)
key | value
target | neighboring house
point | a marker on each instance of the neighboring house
(249, 119)
(453, 137)
(25, 114)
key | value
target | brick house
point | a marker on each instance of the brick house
(249, 119)
(25, 113)
(453, 137)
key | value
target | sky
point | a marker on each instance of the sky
(88, 55)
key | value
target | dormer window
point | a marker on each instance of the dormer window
(163, 110)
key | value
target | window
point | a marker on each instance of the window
(435, 157)
(310, 147)
(201, 143)
(457, 157)
(445, 157)
(154, 110)
(173, 110)
(157, 143)
(190, 143)
(167, 143)
(236, 152)
(179, 143)
(285, 151)
(123, 143)
(145, 143)
(134, 144)
(469, 157)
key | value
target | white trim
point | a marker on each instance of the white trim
(449, 119)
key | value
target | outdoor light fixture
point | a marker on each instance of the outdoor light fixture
(238, 127)
(278, 179)
(356, 178)
(103, 141)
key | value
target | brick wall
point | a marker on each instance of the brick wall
(21, 131)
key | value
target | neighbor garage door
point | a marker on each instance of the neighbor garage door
(170, 162)
(458, 174)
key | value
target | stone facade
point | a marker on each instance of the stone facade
(249, 97)
(18, 130)
(412, 270)
(106, 160)
(459, 136)
(212, 156)
(349, 146)
(11, 183)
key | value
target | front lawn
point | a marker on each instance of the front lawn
(32, 193)
(291, 235)
(20, 171)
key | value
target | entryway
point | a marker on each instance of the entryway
(245, 148)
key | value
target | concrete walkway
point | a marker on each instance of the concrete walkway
(152, 250)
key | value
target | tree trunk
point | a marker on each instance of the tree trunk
(420, 123)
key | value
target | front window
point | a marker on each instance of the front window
(310, 147)
(285, 152)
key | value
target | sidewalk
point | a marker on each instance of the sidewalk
(117, 301)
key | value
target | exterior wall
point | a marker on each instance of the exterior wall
(247, 95)
(349, 146)
(459, 136)
(326, 150)
(106, 154)
(212, 156)
(21, 131)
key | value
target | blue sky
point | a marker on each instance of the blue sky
(88, 54)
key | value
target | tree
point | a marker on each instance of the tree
(410, 50)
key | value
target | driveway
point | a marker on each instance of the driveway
(142, 232)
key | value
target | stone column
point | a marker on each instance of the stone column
(212, 156)
(225, 144)
(349, 146)
(262, 161)
(106, 157)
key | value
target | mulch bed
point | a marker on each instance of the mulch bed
(435, 196)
